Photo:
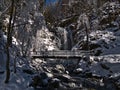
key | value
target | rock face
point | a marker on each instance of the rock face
(28, 21)
(44, 41)
(30, 30)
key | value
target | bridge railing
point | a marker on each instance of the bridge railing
(59, 53)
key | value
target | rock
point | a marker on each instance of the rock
(72, 85)
(70, 68)
(109, 84)
(104, 66)
(60, 67)
(97, 76)
(96, 59)
(117, 84)
(93, 38)
(28, 71)
(50, 75)
(91, 46)
(64, 78)
(78, 71)
(54, 70)
(46, 69)
(45, 82)
(62, 87)
(88, 74)
(85, 58)
(98, 52)
(43, 75)
(41, 80)
(94, 46)
(113, 39)
(55, 83)
(36, 81)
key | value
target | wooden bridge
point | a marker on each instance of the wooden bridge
(58, 54)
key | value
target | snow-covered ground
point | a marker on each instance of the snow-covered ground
(104, 59)
(21, 80)
(18, 81)
(105, 65)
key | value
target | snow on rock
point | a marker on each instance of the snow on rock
(105, 59)
(17, 81)
(29, 20)
(44, 41)
(105, 56)
(108, 65)
(106, 39)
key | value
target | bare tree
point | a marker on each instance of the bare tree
(9, 42)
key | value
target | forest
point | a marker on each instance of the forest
(59, 44)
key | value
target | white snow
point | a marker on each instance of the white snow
(109, 40)
(18, 81)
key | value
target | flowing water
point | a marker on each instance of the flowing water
(66, 38)
(70, 39)
(65, 35)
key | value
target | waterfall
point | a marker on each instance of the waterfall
(70, 39)
(65, 39)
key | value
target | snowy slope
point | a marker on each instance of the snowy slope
(104, 59)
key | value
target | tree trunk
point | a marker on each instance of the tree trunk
(87, 37)
(7, 65)
(87, 29)
(9, 42)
